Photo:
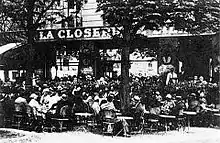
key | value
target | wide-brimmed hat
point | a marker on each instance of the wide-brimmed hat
(46, 90)
(169, 96)
(34, 96)
(136, 98)
(64, 96)
(96, 98)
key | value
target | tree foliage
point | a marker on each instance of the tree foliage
(133, 16)
(186, 15)
(15, 14)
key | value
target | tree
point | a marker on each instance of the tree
(129, 16)
(28, 16)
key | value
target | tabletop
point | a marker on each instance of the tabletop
(83, 114)
(59, 119)
(124, 117)
(118, 114)
(189, 113)
(167, 116)
(217, 114)
(212, 110)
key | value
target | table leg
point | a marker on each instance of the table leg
(166, 126)
(188, 120)
(61, 125)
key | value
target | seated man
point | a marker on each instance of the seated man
(63, 102)
(137, 110)
(168, 105)
(204, 117)
(109, 106)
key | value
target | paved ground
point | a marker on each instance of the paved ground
(196, 135)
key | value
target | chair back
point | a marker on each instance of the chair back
(64, 111)
(29, 111)
(20, 108)
(108, 114)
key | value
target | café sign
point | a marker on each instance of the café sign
(89, 33)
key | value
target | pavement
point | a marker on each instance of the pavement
(195, 135)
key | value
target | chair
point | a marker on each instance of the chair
(181, 122)
(18, 115)
(108, 118)
(150, 123)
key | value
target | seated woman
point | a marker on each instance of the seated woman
(37, 109)
(204, 117)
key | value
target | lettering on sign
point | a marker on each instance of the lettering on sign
(77, 33)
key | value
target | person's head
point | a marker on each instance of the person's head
(110, 98)
(46, 91)
(106, 89)
(202, 100)
(64, 97)
(201, 78)
(202, 94)
(136, 99)
(34, 96)
(195, 77)
(168, 96)
(96, 99)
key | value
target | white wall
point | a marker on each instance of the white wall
(90, 16)
(2, 77)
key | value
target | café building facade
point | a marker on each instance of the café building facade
(88, 48)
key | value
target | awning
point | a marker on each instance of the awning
(8, 47)
(12, 56)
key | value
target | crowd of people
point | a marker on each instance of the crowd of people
(63, 97)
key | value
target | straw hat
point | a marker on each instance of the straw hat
(96, 98)
(64, 96)
(34, 96)
(46, 90)
(136, 98)
(169, 96)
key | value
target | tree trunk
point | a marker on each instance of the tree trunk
(125, 98)
(30, 35)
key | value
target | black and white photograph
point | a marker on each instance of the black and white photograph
(110, 71)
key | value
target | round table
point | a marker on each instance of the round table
(212, 110)
(84, 114)
(60, 121)
(124, 118)
(189, 113)
(217, 114)
(118, 114)
(165, 117)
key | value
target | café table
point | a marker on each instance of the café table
(217, 119)
(83, 116)
(217, 114)
(60, 121)
(166, 117)
(118, 114)
(86, 115)
(189, 114)
(123, 119)
(212, 110)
